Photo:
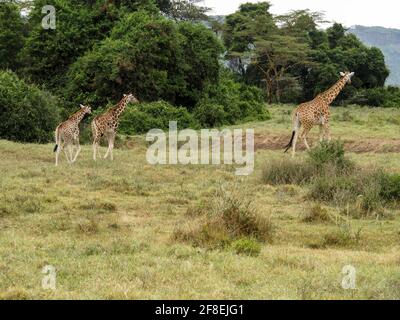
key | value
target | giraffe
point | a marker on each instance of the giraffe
(107, 125)
(67, 135)
(316, 112)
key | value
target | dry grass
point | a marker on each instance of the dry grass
(108, 228)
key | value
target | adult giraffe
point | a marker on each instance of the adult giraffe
(316, 112)
(107, 125)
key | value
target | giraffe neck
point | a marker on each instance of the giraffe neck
(330, 95)
(117, 111)
(77, 116)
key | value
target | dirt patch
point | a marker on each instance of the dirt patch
(278, 142)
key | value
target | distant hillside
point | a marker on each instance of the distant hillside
(388, 40)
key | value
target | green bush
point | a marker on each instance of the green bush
(28, 114)
(390, 186)
(210, 114)
(330, 155)
(224, 223)
(156, 115)
(151, 56)
(247, 246)
(228, 102)
(287, 171)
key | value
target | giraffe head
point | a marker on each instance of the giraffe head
(130, 98)
(85, 109)
(347, 75)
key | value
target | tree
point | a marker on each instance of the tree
(150, 55)
(275, 56)
(12, 35)
(80, 24)
(184, 10)
(28, 114)
(242, 29)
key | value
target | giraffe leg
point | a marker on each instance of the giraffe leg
(327, 132)
(306, 130)
(78, 151)
(109, 147)
(296, 137)
(71, 151)
(321, 133)
(58, 153)
(96, 145)
(65, 147)
(112, 146)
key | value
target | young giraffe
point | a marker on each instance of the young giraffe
(67, 135)
(316, 112)
(107, 125)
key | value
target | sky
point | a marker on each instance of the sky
(384, 13)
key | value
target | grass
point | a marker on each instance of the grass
(108, 228)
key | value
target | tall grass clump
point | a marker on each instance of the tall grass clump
(229, 221)
(287, 171)
(326, 159)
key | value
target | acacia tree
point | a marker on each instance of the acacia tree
(241, 31)
(184, 10)
(275, 56)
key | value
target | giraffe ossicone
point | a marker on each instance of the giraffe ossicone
(107, 125)
(316, 112)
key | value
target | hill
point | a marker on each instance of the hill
(388, 40)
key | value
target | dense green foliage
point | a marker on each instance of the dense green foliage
(204, 75)
(295, 60)
(12, 31)
(151, 56)
(229, 102)
(27, 113)
(144, 117)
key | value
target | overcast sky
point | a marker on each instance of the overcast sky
(383, 13)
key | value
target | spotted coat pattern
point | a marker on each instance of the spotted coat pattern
(316, 112)
(106, 125)
(67, 135)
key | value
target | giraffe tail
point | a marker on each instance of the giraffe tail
(57, 141)
(296, 127)
(291, 142)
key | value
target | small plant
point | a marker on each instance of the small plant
(285, 172)
(246, 246)
(227, 219)
(330, 154)
(317, 214)
(344, 236)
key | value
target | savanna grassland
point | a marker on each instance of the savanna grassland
(130, 230)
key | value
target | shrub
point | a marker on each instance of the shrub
(247, 246)
(28, 113)
(287, 171)
(228, 102)
(227, 219)
(343, 236)
(210, 114)
(330, 155)
(156, 115)
(151, 56)
(390, 186)
(317, 214)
